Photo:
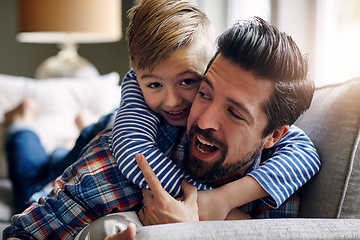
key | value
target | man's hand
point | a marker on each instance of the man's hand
(161, 207)
(128, 234)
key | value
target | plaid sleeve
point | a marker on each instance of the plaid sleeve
(259, 209)
(90, 188)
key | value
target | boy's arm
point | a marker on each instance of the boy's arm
(289, 164)
(135, 131)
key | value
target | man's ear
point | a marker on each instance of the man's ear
(275, 136)
(131, 64)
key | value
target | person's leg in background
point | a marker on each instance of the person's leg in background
(27, 159)
(31, 168)
(61, 158)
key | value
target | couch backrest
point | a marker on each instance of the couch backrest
(332, 122)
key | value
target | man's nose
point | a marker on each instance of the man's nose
(210, 118)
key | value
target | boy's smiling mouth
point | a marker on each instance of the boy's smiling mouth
(176, 115)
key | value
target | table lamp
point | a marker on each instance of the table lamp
(68, 23)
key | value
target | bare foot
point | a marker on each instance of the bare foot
(24, 112)
(85, 118)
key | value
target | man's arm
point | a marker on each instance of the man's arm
(90, 188)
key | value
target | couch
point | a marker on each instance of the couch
(330, 206)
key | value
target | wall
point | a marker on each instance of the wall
(22, 58)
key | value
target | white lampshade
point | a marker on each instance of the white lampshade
(68, 23)
(81, 21)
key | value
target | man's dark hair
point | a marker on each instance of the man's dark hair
(258, 47)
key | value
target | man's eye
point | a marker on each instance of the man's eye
(235, 114)
(155, 85)
(203, 95)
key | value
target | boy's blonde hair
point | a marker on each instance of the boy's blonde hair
(159, 27)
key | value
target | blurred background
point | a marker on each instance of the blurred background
(327, 30)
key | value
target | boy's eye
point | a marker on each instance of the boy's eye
(155, 85)
(187, 81)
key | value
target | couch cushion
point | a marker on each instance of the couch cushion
(308, 229)
(332, 122)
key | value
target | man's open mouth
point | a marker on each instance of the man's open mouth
(204, 146)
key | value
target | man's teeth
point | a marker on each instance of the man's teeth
(202, 141)
(176, 112)
(198, 147)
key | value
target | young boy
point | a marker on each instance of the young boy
(93, 186)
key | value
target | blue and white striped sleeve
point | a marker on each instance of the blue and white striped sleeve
(289, 164)
(135, 131)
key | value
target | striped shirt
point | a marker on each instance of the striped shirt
(287, 166)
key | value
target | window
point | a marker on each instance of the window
(224, 13)
(337, 41)
(328, 31)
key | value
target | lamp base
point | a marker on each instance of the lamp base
(67, 63)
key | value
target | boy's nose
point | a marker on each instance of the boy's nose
(172, 99)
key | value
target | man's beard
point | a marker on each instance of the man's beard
(204, 172)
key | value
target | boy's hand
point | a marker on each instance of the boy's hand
(237, 214)
(216, 204)
(211, 205)
(161, 207)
